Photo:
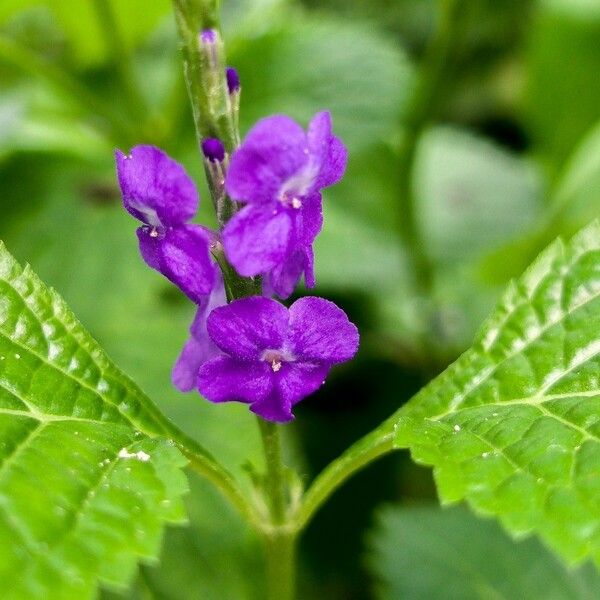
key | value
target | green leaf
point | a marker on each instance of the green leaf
(578, 189)
(575, 201)
(562, 99)
(135, 20)
(142, 322)
(85, 486)
(424, 552)
(472, 195)
(360, 76)
(513, 425)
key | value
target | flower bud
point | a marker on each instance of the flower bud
(213, 150)
(210, 43)
(233, 80)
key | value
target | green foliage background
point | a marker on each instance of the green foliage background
(510, 160)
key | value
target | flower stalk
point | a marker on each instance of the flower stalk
(214, 96)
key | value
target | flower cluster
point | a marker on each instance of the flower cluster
(254, 349)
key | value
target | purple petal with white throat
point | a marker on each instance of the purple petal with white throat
(321, 332)
(249, 326)
(257, 238)
(182, 255)
(155, 188)
(274, 150)
(225, 379)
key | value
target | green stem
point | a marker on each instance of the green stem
(280, 547)
(423, 105)
(275, 476)
(279, 538)
(121, 57)
(374, 445)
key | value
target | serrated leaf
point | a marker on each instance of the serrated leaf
(424, 552)
(143, 325)
(84, 489)
(514, 425)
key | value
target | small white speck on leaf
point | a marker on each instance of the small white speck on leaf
(139, 455)
(457, 428)
(485, 455)
(17, 356)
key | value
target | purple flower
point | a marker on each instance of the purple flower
(278, 172)
(157, 191)
(200, 347)
(274, 357)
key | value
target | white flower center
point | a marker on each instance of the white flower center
(298, 185)
(277, 358)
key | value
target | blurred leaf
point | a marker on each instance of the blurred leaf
(472, 195)
(425, 552)
(243, 19)
(563, 100)
(32, 122)
(135, 20)
(83, 493)
(322, 64)
(512, 426)
(575, 201)
(578, 189)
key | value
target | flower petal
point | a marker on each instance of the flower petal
(194, 354)
(257, 238)
(249, 326)
(181, 254)
(309, 221)
(273, 408)
(274, 150)
(293, 382)
(326, 150)
(200, 347)
(155, 188)
(284, 277)
(225, 379)
(298, 380)
(320, 331)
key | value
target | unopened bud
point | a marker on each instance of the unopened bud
(213, 149)
(209, 41)
(233, 80)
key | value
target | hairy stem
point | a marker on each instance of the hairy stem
(280, 539)
(281, 564)
(275, 477)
